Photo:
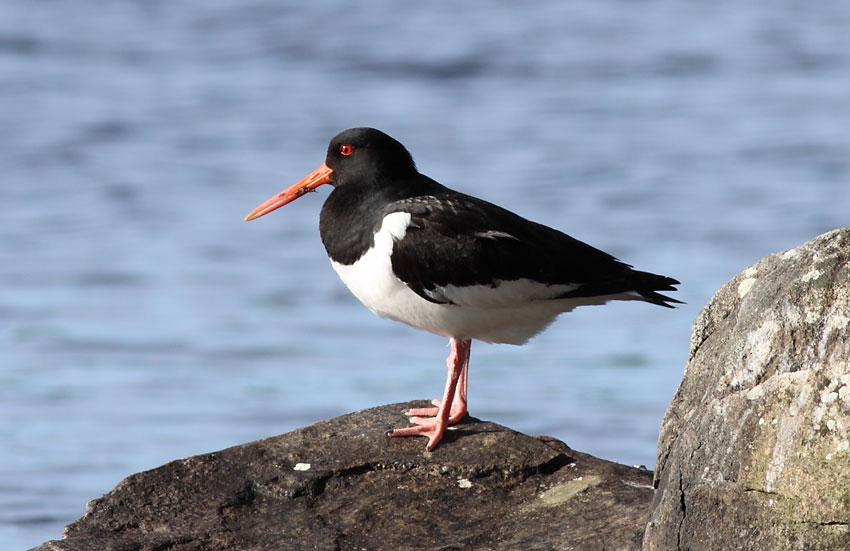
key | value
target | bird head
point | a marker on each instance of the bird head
(357, 156)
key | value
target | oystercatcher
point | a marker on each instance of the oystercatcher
(415, 251)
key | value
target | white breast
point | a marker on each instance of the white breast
(371, 278)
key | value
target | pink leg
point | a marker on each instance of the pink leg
(458, 409)
(449, 410)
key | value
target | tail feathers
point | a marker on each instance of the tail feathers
(631, 285)
(647, 285)
(659, 299)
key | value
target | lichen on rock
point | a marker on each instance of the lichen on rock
(754, 446)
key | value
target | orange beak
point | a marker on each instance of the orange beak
(321, 175)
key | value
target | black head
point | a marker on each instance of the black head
(361, 156)
(366, 155)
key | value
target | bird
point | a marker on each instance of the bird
(417, 252)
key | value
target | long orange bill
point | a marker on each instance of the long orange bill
(321, 175)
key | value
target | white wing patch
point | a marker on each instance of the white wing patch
(503, 294)
(394, 224)
(493, 234)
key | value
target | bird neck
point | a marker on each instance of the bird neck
(349, 219)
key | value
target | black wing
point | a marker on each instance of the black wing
(463, 250)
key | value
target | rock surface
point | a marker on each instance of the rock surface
(754, 450)
(342, 484)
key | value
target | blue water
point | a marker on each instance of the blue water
(141, 320)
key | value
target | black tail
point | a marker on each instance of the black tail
(647, 285)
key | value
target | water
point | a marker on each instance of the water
(141, 320)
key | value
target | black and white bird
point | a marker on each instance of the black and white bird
(415, 251)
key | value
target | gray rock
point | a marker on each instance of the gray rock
(342, 484)
(754, 450)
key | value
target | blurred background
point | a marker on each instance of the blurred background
(141, 320)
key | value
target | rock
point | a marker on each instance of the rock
(754, 450)
(342, 484)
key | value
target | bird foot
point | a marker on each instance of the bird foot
(429, 422)
(433, 421)
(457, 412)
(430, 427)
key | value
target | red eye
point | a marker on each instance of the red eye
(346, 149)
